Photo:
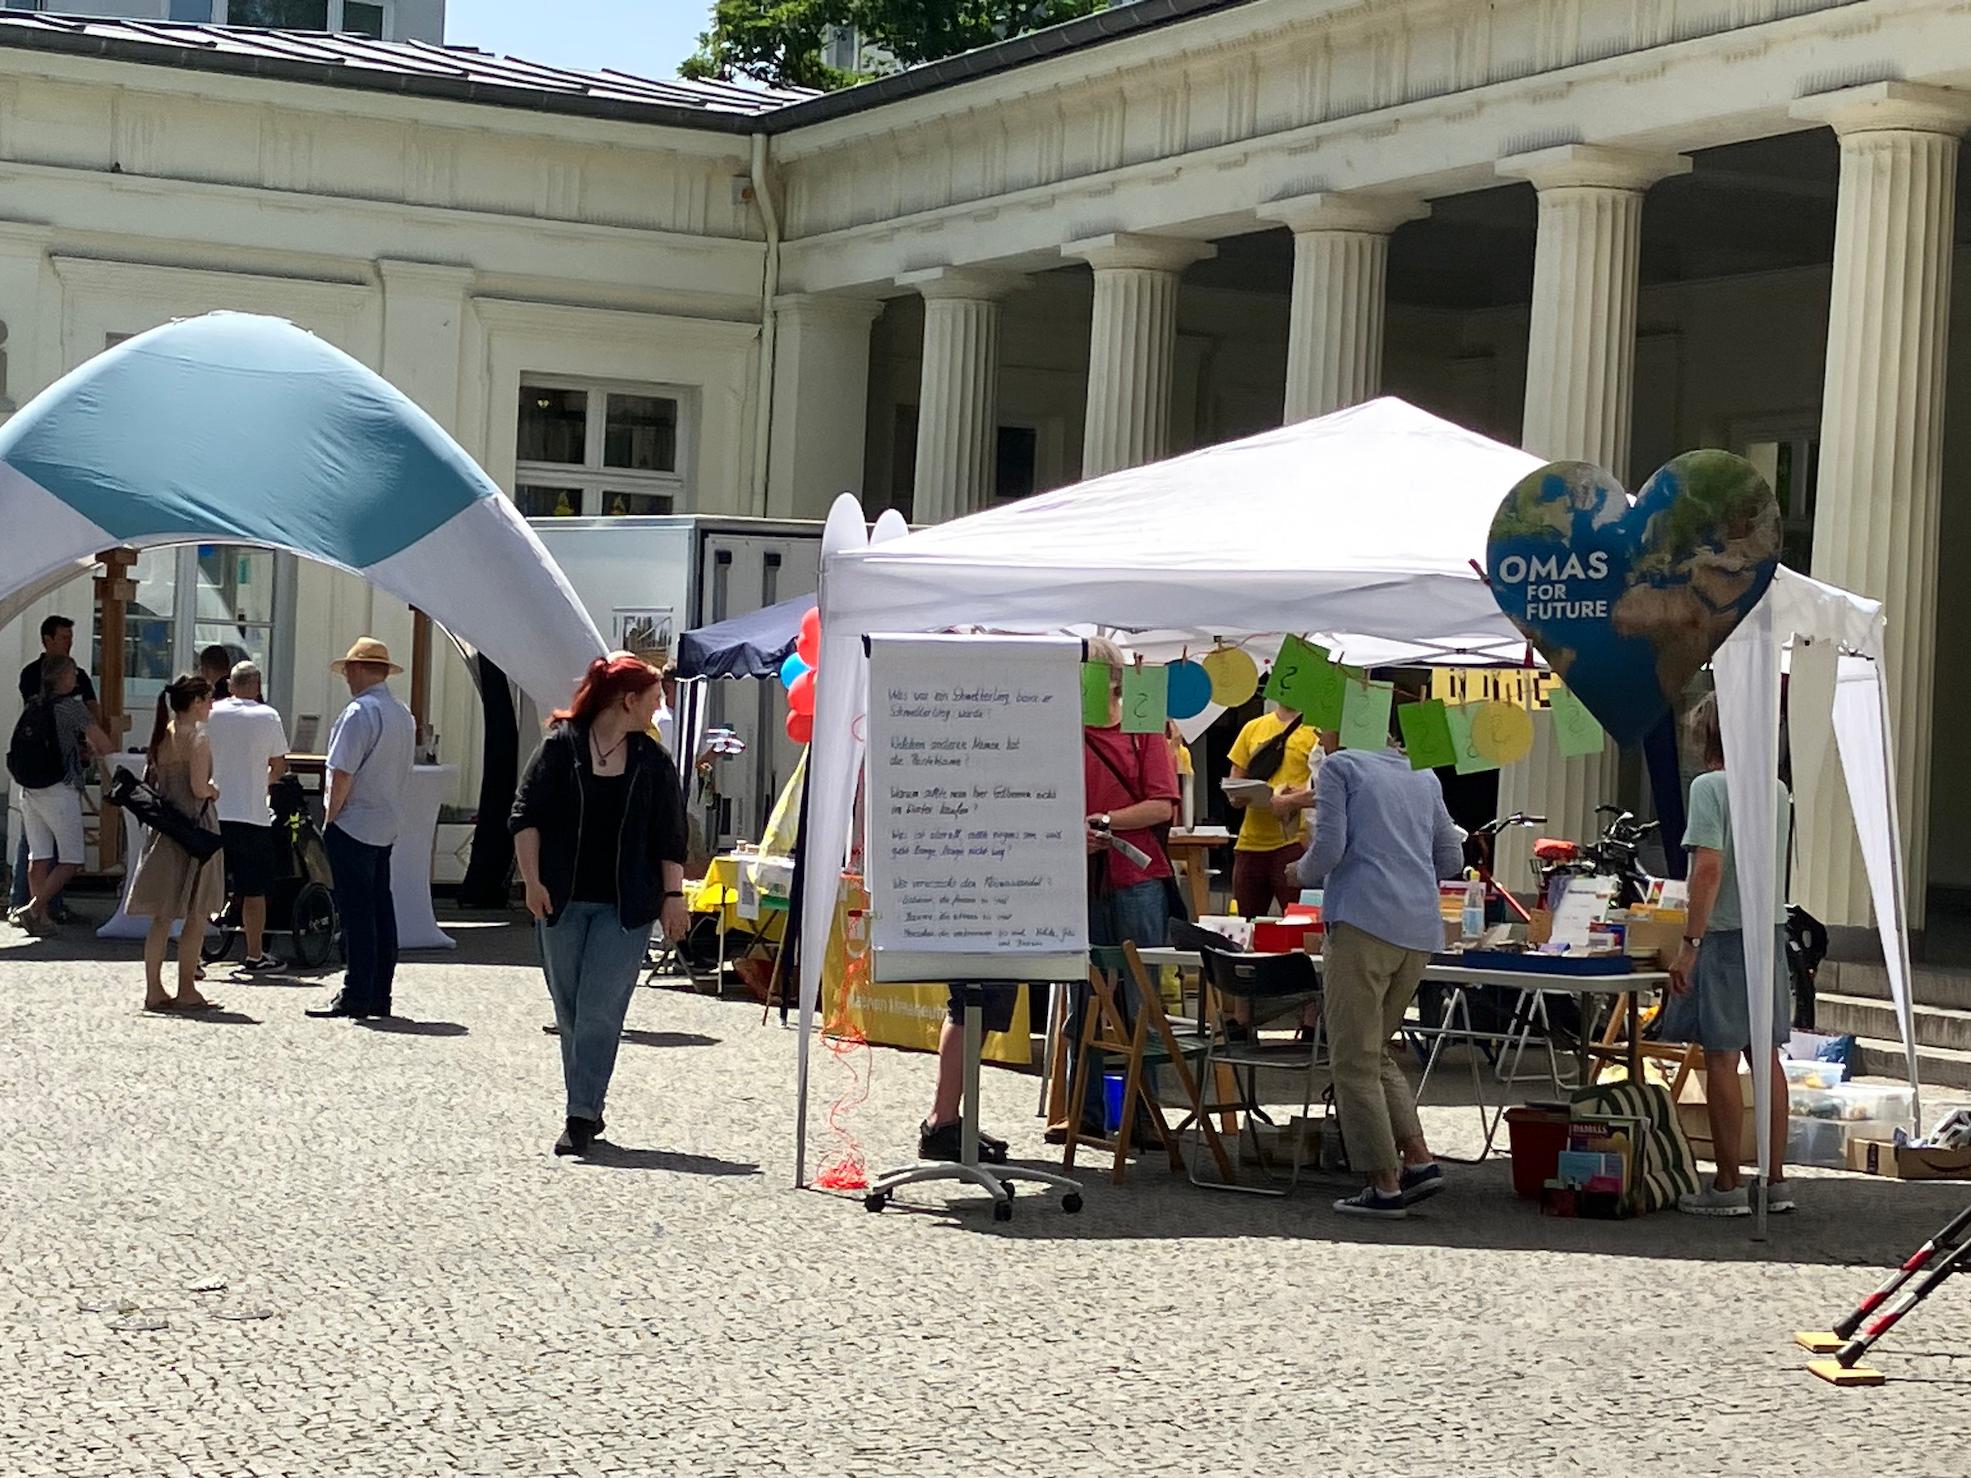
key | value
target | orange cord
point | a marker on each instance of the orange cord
(846, 1169)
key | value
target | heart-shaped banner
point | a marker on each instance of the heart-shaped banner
(1628, 602)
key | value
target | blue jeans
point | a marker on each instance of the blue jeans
(1140, 915)
(592, 963)
(369, 919)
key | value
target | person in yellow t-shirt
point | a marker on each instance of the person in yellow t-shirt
(1272, 837)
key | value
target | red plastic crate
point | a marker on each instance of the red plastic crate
(1537, 1133)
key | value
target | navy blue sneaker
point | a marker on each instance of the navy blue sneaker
(1420, 1183)
(1371, 1202)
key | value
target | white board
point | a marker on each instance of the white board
(974, 846)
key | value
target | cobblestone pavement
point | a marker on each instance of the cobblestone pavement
(413, 1285)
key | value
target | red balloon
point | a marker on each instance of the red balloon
(800, 696)
(800, 727)
(808, 643)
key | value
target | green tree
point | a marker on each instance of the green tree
(779, 42)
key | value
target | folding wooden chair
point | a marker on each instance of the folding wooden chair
(1149, 1043)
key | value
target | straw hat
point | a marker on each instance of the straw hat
(367, 649)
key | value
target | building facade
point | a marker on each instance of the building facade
(1611, 231)
(382, 20)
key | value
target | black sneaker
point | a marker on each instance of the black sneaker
(1371, 1202)
(947, 1142)
(576, 1137)
(263, 965)
(1419, 1183)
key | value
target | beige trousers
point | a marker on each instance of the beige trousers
(1369, 985)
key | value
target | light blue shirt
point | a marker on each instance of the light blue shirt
(1382, 839)
(1709, 825)
(373, 740)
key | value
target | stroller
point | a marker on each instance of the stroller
(300, 905)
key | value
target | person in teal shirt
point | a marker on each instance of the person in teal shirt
(1707, 982)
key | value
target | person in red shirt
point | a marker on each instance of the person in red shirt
(1132, 795)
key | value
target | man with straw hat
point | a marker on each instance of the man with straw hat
(369, 761)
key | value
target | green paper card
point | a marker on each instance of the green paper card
(1145, 699)
(1365, 715)
(1576, 730)
(1466, 756)
(1095, 694)
(1427, 734)
(1305, 680)
(1296, 657)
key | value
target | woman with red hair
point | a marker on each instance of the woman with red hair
(599, 833)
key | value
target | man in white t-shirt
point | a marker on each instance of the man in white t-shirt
(249, 753)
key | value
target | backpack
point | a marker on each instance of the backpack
(34, 757)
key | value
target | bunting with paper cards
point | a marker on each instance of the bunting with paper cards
(1627, 601)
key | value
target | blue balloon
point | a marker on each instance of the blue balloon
(792, 668)
(1190, 690)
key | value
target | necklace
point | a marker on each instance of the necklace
(603, 756)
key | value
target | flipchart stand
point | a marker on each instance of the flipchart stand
(996, 1182)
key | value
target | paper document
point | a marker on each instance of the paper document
(1252, 792)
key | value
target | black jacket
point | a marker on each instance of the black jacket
(550, 801)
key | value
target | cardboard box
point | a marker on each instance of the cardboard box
(1908, 1162)
(1695, 1116)
(1658, 935)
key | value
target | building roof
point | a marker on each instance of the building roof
(417, 68)
(464, 74)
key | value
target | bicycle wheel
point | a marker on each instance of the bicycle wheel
(313, 925)
(217, 942)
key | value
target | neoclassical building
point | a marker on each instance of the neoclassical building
(1604, 230)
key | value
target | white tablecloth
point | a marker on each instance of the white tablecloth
(410, 859)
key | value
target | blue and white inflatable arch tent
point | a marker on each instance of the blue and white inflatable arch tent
(234, 428)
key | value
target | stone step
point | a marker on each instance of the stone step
(1936, 1067)
(1930, 985)
(1870, 1016)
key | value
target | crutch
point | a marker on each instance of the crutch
(1946, 1253)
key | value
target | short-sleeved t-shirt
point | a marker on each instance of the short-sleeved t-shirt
(1119, 770)
(374, 740)
(1710, 826)
(244, 736)
(1261, 830)
(31, 683)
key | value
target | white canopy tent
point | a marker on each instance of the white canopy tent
(1362, 528)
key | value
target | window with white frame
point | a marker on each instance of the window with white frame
(357, 17)
(588, 449)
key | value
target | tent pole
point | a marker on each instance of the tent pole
(114, 592)
(421, 672)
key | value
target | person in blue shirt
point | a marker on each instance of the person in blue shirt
(1382, 840)
(369, 765)
(1708, 1002)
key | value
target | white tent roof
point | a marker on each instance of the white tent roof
(1363, 523)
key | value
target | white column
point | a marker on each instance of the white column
(1882, 433)
(1340, 280)
(958, 393)
(31, 309)
(1580, 359)
(820, 402)
(1132, 345)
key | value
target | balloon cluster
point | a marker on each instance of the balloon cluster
(797, 676)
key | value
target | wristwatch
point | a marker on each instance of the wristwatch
(1104, 819)
(1695, 941)
(673, 895)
